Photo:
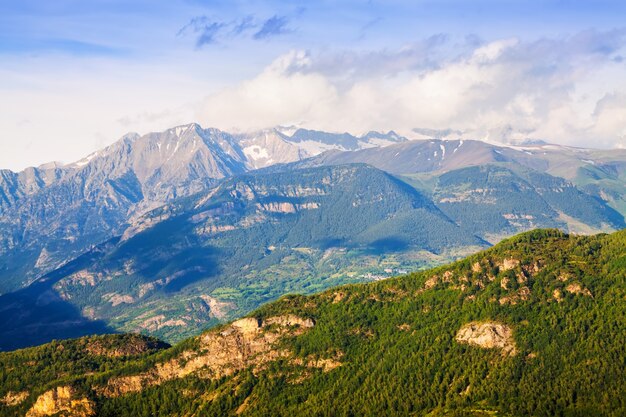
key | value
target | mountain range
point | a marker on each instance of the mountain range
(51, 214)
(171, 232)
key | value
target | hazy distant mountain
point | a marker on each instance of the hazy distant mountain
(51, 214)
(269, 147)
(284, 145)
(445, 155)
(493, 202)
(89, 201)
(16, 185)
(601, 173)
(315, 142)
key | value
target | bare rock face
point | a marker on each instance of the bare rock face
(62, 401)
(247, 342)
(290, 320)
(508, 264)
(488, 335)
(14, 398)
(576, 288)
(247, 326)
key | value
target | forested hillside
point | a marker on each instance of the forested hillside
(531, 327)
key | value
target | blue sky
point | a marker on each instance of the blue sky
(76, 75)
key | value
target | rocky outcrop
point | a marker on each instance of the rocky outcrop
(64, 400)
(218, 309)
(576, 288)
(14, 398)
(117, 299)
(508, 264)
(248, 342)
(488, 335)
(523, 294)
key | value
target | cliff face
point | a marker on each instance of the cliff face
(248, 342)
(14, 398)
(488, 335)
(64, 400)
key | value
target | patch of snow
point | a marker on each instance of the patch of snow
(85, 160)
(443, 151)
(180, 129)
(553, 147)
(377, 142)
(365, 145)
(587, 161)
(315, 148)
(287, 130)
(255, 152)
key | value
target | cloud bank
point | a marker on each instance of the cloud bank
(569, 90)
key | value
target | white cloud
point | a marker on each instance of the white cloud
(568, 90)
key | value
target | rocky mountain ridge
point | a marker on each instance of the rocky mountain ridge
(50, 214)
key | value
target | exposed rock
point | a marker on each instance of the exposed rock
(563, 276)
(117, 299)
(218, 309)
(14, 398)
(504, 283)
(431, 282)
(64, 401)
(326, 364)
(82, 277)
(247, 326)
(558, 295)
(246, 342)
(576, 288)
(448, 276)
(508, 264)
(42, 260)
(275, 207)
(290, 320)
(338, 296)
(488, 335)
(153, 323)
(211, 229)
(476, 267)
(523, 294)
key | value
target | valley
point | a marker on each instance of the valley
(173, 232)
